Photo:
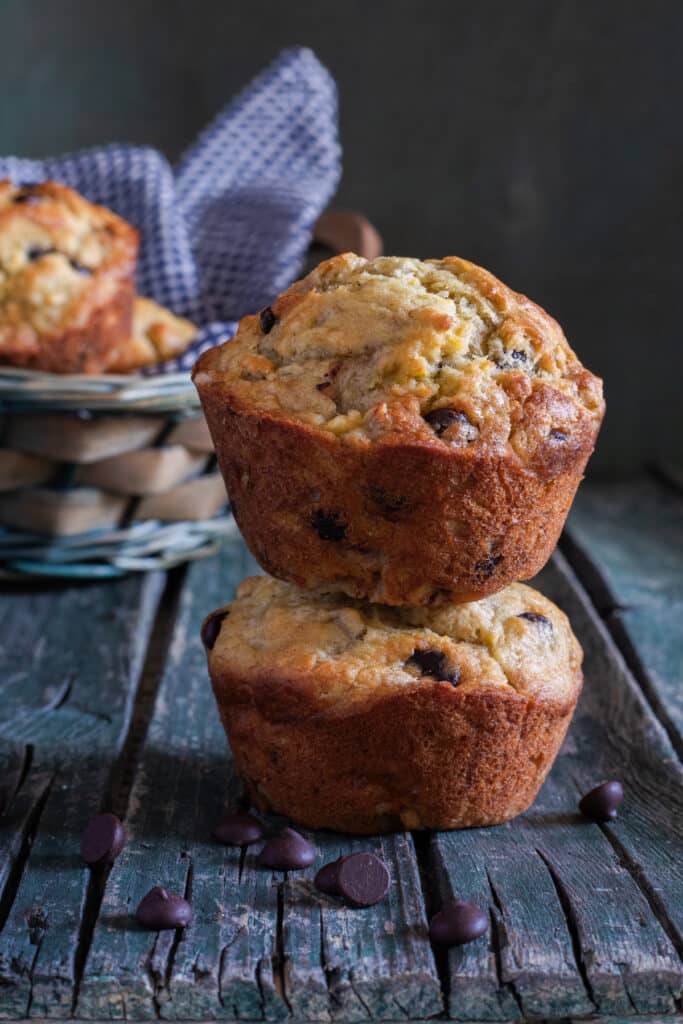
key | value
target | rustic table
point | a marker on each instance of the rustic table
(106, 704)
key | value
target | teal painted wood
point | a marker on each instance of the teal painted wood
(261, 944)
(355, 965)
(574, 930)
(73, 663)
(225, 964)
(628, 545)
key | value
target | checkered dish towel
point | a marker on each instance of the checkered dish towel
(226, 229)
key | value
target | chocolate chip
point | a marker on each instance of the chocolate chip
(103, 839)
(558, 435)
(518, 355)
(36, 252)
(211, 628)
(363, 879)
(238, 829)
(267, 319)
(441, 419)
(327, 878)
(161, 910)
(393, 506)
(80, 268)
(486, 567)
(328, 525)
(601, 803)
(287, 851)
(458, 922)
(27, 197)
(434, 663)
(536, 617)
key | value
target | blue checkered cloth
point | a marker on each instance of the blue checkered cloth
(227, 228)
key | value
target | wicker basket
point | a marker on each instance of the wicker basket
(103, 475)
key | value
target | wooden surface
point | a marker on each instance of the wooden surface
(106, 704)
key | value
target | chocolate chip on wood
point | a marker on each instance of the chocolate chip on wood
(601, 803)
(288, 851)
(102, 840)
(458, 922)
(363, 879)
(238, 829)
(327, 880)
(161, 910)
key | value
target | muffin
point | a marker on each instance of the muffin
(67, 280)
(157, 335)
(403, 431)
(365, 718)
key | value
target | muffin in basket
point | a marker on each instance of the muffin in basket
(67, 280)
(366, 718)
(404, 431)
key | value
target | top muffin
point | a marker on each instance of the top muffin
(405, 431)
(434, 348)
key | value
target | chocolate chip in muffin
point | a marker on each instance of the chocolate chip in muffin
(558, 435)
(79, 268)
(441, 419)
(211, 628)
(536, 617)
(267, 319)
(161, 910)
(486, 567)
(434, 663)
(328, 525)
(518, 355)
(393, 506)
(36, 252)
(27, 196)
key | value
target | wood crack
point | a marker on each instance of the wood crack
(499, 940)
(422, 845)
(123, 771)
(572, 927)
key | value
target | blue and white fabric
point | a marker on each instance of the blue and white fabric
(227, 228)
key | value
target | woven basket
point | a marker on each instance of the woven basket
(103, 475)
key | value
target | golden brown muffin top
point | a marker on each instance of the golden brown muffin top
(341, 651)
(433, 350)
(158, 334)
(55, 246)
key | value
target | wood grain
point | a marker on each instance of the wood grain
(71, 671)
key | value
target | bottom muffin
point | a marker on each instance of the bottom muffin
(365, 718)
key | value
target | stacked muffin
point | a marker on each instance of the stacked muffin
(401, 442)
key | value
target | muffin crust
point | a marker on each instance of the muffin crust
(404, 431)
(364, 718)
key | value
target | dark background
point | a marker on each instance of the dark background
(541, 139)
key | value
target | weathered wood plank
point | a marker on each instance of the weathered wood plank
(221, 967)
(73, 658)
(573, 929)
(626, 542)
(258, 938)
(354, 965)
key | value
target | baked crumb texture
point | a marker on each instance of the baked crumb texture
(403, 430)
(157, 335)
(358, 717)
(67, 280)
